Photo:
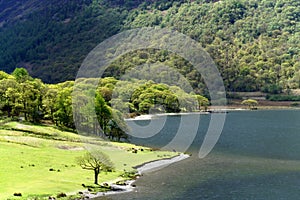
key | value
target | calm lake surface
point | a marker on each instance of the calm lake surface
(256, 157)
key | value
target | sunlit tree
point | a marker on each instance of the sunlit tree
(251, 103)
(96, 161)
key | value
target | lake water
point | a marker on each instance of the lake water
(256, 157)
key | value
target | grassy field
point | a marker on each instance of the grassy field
(40, 161)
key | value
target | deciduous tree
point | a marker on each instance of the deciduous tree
(96, 161)
(251, 103)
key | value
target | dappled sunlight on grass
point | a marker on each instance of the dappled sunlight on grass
(34, 165)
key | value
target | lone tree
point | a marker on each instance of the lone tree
(251, 103)
(96, 161)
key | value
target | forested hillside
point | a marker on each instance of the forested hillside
(52, 40)
(254, 43)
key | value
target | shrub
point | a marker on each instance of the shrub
(130, 174)
(60, 195)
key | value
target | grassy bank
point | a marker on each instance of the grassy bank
(40, 161)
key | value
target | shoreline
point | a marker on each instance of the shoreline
(159, 164)
(212, 109)
(153, 116)
(141, 169)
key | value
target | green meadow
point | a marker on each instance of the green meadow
(39, 161)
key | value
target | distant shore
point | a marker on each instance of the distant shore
(151, 116)
(141, 169)
(233, 105)
(263, 104)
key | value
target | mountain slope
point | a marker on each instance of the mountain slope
(254, 43)
(51, 40)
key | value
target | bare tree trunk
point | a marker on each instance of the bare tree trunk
(97, 170)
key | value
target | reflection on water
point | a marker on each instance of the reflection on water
(257, 157)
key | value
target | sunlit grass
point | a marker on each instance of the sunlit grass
(41, 166)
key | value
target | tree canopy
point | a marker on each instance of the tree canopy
(251, 103)
(255, 44)
(97, 161)
(25, 98)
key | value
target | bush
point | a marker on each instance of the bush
(16, 194)
(130, 174)
(60, 195)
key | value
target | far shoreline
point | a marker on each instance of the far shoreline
(266, 105)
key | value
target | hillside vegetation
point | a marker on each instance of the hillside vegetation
(71, 104)
(254, 43)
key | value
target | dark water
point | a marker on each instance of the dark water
(257, 157)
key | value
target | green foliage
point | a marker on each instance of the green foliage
(31, 98)
(251, 103)
(49, 32)
(117, 126)
(63, 114)
(21, 94)
(272, 89)
(3, 75)
(255, 44)
(97, 161)
(34, 101)
(202, 102)
(283, 97)
(129, 174)
(104, 113)
(25, 98)
(47, 147)
(20, 74)
(158, 66)
(145, 97)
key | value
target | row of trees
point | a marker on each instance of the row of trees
(22, 96)
(144, 96)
